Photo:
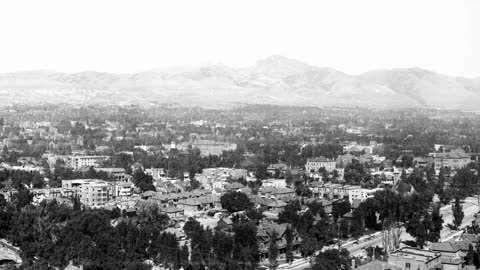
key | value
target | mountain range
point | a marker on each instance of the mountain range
(275, 80)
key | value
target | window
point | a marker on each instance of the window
(407, 265)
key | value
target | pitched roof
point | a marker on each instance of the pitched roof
(176, 232)
(455, 154)
(278, 204)
(445, 247)
(171, 209)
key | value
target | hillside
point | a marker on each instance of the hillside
(274, 80)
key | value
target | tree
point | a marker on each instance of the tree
(273, 251)
(289, 244)
(437, 225)
(308, 246)
(290, 213)
(340, 208)
(235, 201)
(246, 246)
(143, 181)
(470, 255)
(457, 211)
(333, 259)
(416, 228)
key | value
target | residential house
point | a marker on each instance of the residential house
(173, 212)
(225, 224)
(446, 249)
(281, 168)
(277, 206)
(234, 186)
(264, 234)
(414, 259)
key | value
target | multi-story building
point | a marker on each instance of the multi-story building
(77, 162)
(122, 189)
(95, 193)
(117, 174)
(158, 174)
(73, 187)
(451, 160)
(91, 192)
(208, 148)
(314, 164)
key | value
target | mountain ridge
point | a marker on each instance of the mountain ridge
(275, 80)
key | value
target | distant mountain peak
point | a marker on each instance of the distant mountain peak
(275, 80)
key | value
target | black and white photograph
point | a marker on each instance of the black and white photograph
(240, 135)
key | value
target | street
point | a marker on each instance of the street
(470, 207)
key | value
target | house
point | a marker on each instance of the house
(264, 234)
(190, 204)
(452, 264)
(225, 224)
(281, 168)
(277, 206)
(414, 258)
(148, 194)
(178, 234)
(446, 249)
(234, 186)
(172, 212)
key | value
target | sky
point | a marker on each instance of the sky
(353, 36)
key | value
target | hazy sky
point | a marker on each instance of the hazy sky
(353, 36)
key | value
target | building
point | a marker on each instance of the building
(282, 168)
(208, 148)
(158, 174)
(91, 192)
(215, 177)
(117, 174)
(446, 249)
(451, 160)
(264, 237)
(172, 212)
(122, 189)
(95, 193)
(276, 183)
(77, 162)
(73, 187)
(413, 258)
(314, 164)
(360, 194)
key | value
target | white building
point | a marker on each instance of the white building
(276, 183)
(158, 174)
(314, 164)
(95, 193)
(91, 192)
(77, 162)
(361, 194)
(122, 189)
